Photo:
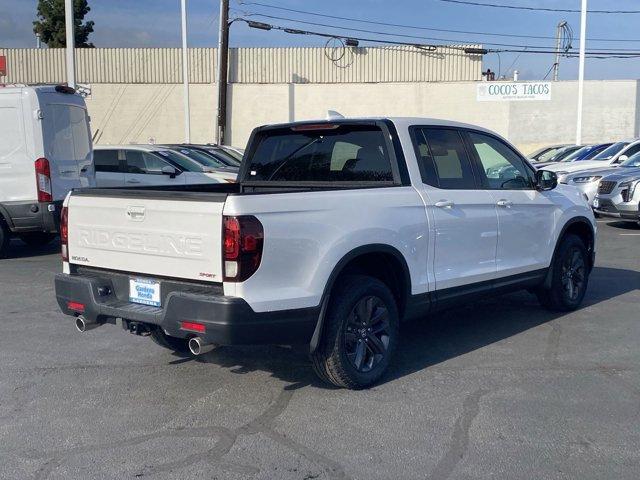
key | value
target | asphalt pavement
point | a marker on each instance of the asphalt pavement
(498, 389)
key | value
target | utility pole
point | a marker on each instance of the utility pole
(71, 42)
(556, 65)
(583, 46)
(185, 74)
(223, 63)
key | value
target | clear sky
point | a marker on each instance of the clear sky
(156, 23)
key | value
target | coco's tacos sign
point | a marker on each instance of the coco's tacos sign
(513, 91)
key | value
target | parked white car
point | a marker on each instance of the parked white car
(612, 156)
(45, 151)
(337, 231)
(144, 165)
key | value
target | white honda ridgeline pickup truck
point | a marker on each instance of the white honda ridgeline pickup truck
(337, 231)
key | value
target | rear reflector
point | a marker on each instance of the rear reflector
(193, 326)
(76, 307)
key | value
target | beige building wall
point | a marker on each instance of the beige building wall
(131, 113)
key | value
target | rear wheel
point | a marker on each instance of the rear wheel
(5, 236)
(569, 276)
(180, 345)
(361, 333)
(37, 239)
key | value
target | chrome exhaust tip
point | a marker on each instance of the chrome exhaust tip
(83, 324)
(197, 346)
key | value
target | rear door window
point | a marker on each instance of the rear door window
(443, 159)
(106, 160)
(70, 133)
(332, 153)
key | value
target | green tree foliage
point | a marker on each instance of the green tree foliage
(50, 24)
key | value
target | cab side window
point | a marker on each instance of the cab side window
(444, 162)
(501, 167)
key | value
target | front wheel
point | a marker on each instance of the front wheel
(360, 333)
(569, 276)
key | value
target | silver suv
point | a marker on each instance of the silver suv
(619, 196)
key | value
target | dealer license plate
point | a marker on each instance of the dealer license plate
(144, 291)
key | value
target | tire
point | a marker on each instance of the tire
(179, 345)
(569, 277)
(5, 236)
(360, 333)
(37, 239)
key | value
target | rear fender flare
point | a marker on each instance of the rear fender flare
(339, 268)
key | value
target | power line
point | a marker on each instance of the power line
(417, 27)
(361, 30)
(266, 26)
(566, 45)
(538, 9)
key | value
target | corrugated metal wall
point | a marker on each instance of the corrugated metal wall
(247, 65)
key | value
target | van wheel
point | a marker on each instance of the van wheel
(179, 345)
(5, 236)
(361, 333)
(37, 239)
(569, 277)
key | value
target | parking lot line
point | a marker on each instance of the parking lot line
(630, 234)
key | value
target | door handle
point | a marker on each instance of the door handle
(504, 203)
(133, 181)
(444, 204)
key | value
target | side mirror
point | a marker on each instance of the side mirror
(622, 158)
(546, 180)
(169, 170)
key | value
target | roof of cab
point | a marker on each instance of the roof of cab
(403, 122)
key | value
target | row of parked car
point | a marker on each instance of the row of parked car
(131, 165)
(46, 151)
(607, 173)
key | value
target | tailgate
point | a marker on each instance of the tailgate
(155, 236)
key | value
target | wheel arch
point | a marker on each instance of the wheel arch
(581, 227)
(391, 268)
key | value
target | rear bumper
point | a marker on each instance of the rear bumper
(228, 320)
(26, 217)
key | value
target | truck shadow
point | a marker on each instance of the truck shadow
(436, 339)
(19, 249)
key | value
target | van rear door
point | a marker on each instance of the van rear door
(67, 142)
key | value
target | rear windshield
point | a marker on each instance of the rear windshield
(344, 153)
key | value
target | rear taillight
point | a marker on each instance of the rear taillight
(43, 180)
(243, 238)
(64, 233)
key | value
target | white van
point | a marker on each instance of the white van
(45, 151)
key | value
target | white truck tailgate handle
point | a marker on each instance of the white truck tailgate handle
(444, 204)
(133, 181)
(504, 203)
